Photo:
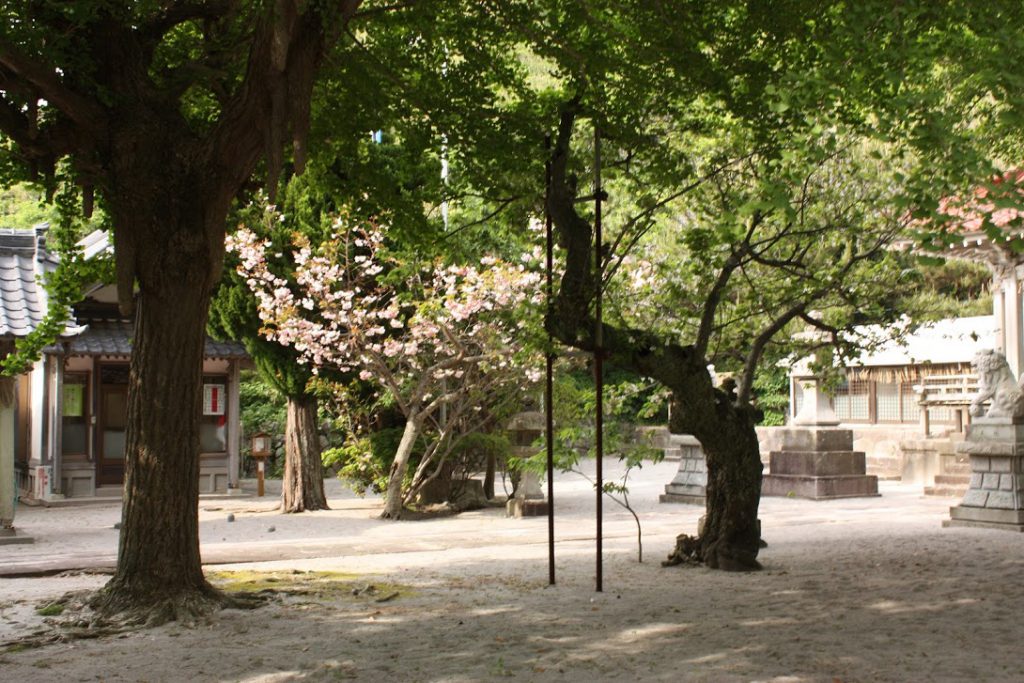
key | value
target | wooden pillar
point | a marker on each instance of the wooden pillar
(7, 402)
(1012, 322)
(234, 417)
(998, 313)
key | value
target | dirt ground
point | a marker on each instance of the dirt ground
(870, 589)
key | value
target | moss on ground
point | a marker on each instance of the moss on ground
(50, 610)
(323, 585)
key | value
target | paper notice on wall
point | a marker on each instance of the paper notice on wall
(74, 396)
(213, 399)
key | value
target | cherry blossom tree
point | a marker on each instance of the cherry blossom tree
(452, 336)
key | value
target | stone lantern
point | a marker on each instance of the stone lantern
(259, 451)
(524, 429)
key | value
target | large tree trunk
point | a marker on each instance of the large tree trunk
(303, 486)
(167, 183)
(396, 476)
(169, 217)
(730, 537)
(159, 575)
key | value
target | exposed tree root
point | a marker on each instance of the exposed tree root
(187, 607)
(87, 614)
(687, 551)
(691, 550)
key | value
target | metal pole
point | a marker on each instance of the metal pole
(598, 354)
(549, 426)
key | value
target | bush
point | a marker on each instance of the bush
(364, 462)
(771, 389)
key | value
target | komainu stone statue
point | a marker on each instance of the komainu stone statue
(998, 385)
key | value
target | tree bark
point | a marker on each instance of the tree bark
(396, 476)
(731, 536)
(492, 465)
(303, 486)
(159, 575)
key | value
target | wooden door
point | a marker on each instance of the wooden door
(112, 418)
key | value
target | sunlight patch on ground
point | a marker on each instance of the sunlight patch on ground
(769, 621)
(492, 611)
(650, 630)
(896, 607)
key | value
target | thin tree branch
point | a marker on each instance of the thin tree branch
(746, 384)
(503, 204)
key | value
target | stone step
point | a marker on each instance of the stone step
(952, 479)
(670, 497)
(819, 487)
(946, 491)
(817, 463)
(957, 470)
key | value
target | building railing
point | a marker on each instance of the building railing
(955, 392)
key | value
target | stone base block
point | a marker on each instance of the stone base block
(677, 489)
(9, 536)
(817, 463)
(819, 488)
(816, 439)
(689, 486)
(470, 495)
(526, 507)
(684, 498)
(987, 518)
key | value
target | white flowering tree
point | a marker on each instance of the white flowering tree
(451, 336)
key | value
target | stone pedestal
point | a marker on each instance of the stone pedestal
(529, 499)
(818, 463)
(690, 483)
(8, 536)
(995, 497)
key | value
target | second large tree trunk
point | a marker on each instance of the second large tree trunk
(303, 486)
(730, 538)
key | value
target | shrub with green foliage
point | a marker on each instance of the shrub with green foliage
(23, 206)
(771, 394)
(628, 401)
(364, 462)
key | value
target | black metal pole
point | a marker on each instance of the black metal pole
(549, 420)
(598, 355)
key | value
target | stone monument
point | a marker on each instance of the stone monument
(817, 459)
(690, 485)
(995, 445)
(525, 428)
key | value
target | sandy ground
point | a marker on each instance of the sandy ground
(867, 589)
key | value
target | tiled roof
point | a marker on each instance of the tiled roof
(22, 298)
(23, 258)
(114, 338)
